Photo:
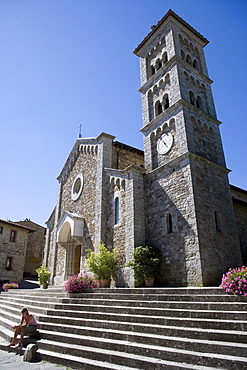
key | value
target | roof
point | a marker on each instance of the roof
(233, 187)
(29, 229)
(127, 147)
(174, 15)
(28, 221)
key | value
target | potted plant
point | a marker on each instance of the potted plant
(80, 283)
(8, 286)
(235, 281)
(103, 264)
(146, 263)
(43, 276)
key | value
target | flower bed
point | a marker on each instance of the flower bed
(78, 283)
(235, 281)
(8, 286)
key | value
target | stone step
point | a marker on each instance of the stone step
(141, 317)
(220, 306)
(69, 360)
(77, 297)
(115, 329)
(219, 314)
(127, 291)
(177, 320)
(88, 364)
(229, 302)
(140, 355)
(157, 311)
(117, 339)
(178, 331)
(158, 328)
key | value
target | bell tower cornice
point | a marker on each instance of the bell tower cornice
(170, 14)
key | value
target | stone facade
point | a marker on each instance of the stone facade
(35, 247)
(175, 195)
(13, 246)
(239, 197)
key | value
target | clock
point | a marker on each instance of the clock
(165, 143)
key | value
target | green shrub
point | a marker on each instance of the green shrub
(146, 262)
(103, 263)
(43, 274)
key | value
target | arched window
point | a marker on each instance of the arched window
(158, 64)
(116, 218)
(195, 64)
(188, 59)
(192, 98)
(169, 223)
(164, 57)
(152, 70)
(166, 102)
(199, 102)
(158, 108)
(182, 55)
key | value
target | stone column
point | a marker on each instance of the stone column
(135, 217)
(54, 242)
(104, 161)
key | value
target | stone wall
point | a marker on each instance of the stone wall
(15, 250)
(35, 248)
(217, 229)
(169, 192)
(239, 197)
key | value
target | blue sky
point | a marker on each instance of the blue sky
(69, 62)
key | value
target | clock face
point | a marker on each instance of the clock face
(165, 143)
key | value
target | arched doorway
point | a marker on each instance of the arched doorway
(70, 238)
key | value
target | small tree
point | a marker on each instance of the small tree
(103, 263)
(43, 274)
(146, 262)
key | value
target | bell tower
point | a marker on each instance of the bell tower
(190, 214)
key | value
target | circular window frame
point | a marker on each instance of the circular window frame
(75, 194)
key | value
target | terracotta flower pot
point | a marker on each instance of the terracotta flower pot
(45, 285)
(104, 283)
(149, 281)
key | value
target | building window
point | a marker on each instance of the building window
(158, 64)
(158, 107)
(77, 187)
(217, 221)
(192, 98)
(169, 223)
(1, 229)
(116, 220)
(199, 103)
(9, 261)
(152, 70)
(12, 236)
(164, 57)
(166, 102)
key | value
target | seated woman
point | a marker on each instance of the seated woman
(27, 326)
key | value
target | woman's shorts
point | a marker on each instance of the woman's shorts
(29, 329)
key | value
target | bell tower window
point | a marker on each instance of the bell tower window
(169, 227)
(152, 70)
(116, 221)
(166, 102)
(199, 102)
(192, 98)
(158, 108)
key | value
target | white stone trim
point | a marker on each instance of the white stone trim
(77, 187)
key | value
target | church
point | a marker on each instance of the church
(175, 194)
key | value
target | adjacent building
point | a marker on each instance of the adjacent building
(21, 249)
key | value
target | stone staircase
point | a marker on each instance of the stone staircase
(141, 328)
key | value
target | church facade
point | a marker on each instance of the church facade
(175, 194)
